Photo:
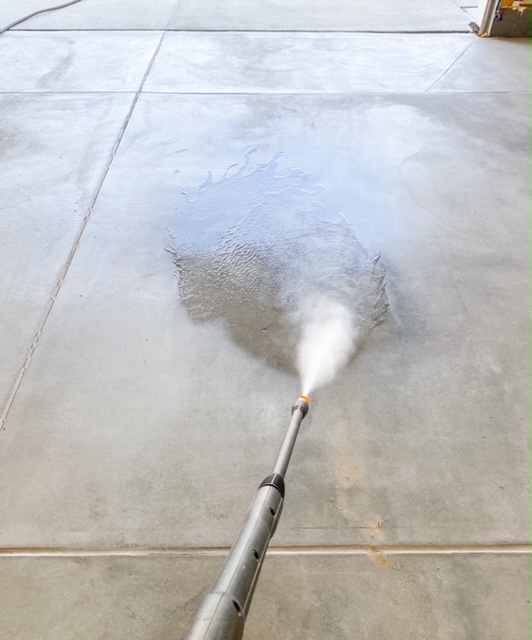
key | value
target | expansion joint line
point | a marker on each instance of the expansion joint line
(453, 63)
(87, 217)
(318, 550)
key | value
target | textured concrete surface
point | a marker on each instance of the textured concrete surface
(73, 61)
(126, 425)
(53, 154)
(268, 63)
(92, 14)
(363, 596)
(273, 15)
(491, 72)
(322, 15)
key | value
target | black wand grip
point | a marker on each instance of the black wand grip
(274, 480)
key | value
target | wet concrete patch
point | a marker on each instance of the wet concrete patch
(259, 251)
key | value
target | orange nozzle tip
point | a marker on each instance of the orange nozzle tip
(306, 399)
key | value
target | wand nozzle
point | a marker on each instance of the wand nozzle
(303, 404)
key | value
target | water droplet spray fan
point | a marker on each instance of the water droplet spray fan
(222, 613)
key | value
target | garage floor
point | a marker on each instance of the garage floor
(133, 435)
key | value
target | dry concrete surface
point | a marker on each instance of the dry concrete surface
(132, 437)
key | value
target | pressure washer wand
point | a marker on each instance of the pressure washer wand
(223, 612)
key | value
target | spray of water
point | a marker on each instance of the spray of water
(328, 338)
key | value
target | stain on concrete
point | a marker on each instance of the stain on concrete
(375, 529)
(347, 471)
(379, 557)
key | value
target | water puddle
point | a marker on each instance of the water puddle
(257, 250)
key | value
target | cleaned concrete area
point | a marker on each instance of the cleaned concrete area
(133, 438)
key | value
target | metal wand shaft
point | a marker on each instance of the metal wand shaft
(222, 613)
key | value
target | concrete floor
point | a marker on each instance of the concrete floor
(133, 438)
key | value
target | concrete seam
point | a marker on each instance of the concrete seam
(317, 94)
(354, 94)
(338, 550)
(281, 31)
(446, 71)
(66, 267)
